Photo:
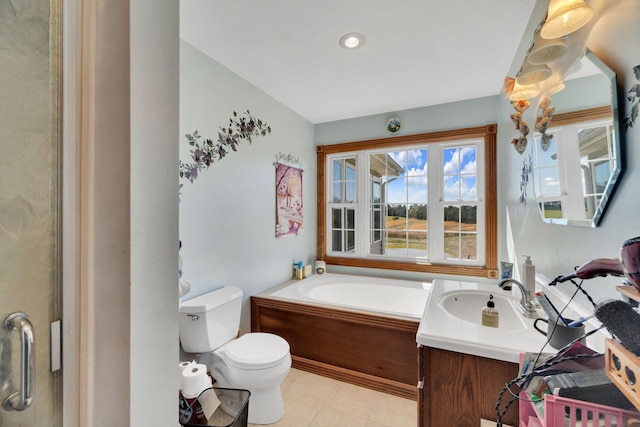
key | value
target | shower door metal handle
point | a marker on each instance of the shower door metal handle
(21, 399)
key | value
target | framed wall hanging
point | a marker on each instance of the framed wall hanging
(289, 200)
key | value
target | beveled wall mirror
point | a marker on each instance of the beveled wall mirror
(576, 170)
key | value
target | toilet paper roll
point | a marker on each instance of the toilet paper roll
(195, 380)
(181, 367)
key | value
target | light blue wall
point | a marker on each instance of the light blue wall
(463, 114)
(227, 216)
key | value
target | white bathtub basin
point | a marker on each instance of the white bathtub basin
(468, 304)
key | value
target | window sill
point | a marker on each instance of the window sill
(416, 266)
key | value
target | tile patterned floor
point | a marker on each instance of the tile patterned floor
(314, 401)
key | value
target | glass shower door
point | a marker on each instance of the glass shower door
(30, 390)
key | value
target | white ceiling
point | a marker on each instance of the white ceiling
(417, 52)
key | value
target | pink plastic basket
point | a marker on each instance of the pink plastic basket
(563, 412)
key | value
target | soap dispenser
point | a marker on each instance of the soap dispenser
(529, 276)
(490, 315)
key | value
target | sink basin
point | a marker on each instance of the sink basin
(468, 304)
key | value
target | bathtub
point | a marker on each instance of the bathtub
(356, 329)
(376, 295)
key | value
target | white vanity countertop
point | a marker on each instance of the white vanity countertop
(440, 329)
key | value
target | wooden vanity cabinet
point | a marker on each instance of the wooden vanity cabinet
(460, 389)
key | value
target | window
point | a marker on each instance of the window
(421, 203)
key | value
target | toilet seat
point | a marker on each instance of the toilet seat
(257, 350)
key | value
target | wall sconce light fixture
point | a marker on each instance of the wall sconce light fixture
(532, 73)
(545, 51)
(522, 92)
(564, 17)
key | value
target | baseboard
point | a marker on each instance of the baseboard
(358, 378)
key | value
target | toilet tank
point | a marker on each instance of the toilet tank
(210, 320)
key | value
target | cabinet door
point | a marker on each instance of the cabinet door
(460, 389)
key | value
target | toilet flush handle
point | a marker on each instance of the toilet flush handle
(194, 317)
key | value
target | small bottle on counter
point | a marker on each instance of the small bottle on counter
(490, 315)
(529, 276)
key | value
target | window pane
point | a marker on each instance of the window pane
(397, 217)
(396, 190)
(417, 244)
(417, 217)
(344, 180)
(337, 192)
(377, 220)
(351, 170)
(336, 240)
(601, 173)
(451, 161)
(375, 192)
(468, 160)
(351, 219)
(451, 245)
(460, 236)
(546, 181)
(417, 190)
(351, 241)
(396, 244)
(469, 249)
(590, 204)
(547, 156)
(468, 188)
(416, 163)
(460, 180)
(468, 218)
(551, 209)
(451, 218)
(337, 218)
(451, 188)
(351, 192)
(549, 185)
(396, 163)
(337, 170)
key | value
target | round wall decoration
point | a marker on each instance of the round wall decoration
(393, 125)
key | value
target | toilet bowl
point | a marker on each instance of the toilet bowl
(257, 362)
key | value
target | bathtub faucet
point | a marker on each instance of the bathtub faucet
(527, 303)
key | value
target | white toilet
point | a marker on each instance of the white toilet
(257, 362)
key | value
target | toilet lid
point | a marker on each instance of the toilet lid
(257, 350)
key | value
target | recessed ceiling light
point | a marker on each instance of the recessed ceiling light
(351, 40)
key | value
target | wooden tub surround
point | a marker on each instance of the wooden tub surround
(370, 350)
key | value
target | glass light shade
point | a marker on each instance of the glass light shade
(557, 87)
(564, 17)
(545, 51)
(521, 92)
(533, 73)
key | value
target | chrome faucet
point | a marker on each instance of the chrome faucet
(527, 303)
